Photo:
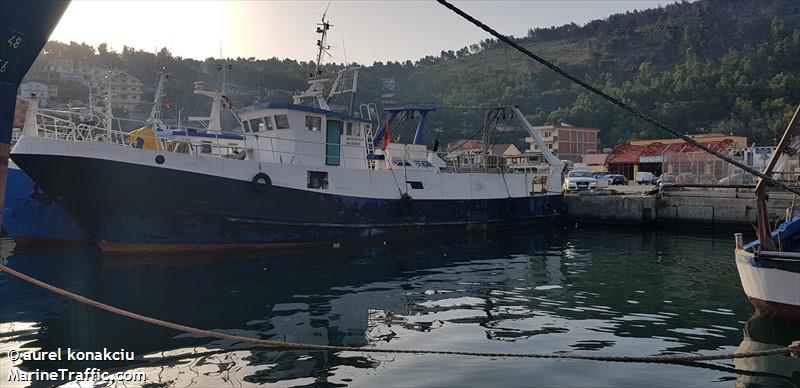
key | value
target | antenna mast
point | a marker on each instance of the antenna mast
(322, 43)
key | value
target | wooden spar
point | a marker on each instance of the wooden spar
(25, 27)
(763, 229)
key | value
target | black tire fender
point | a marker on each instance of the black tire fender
(261, 182)
(406, 204)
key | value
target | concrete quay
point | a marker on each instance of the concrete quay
(712, 207)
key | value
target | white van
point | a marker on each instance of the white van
(645, 178)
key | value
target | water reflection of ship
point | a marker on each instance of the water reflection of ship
(762, 332)
(304, 298)
(557, 291)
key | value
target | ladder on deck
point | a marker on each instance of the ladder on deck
(371, 109)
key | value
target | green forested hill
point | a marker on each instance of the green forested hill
(728, 66)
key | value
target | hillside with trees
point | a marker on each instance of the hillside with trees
(727, 66)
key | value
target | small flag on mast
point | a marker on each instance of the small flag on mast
(388, 135)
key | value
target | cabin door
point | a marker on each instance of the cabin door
(333, 143)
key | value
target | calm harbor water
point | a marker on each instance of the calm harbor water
(588, 290)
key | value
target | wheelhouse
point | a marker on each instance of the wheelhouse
(297, 134)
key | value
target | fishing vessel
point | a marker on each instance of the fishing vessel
(305, 175)
(769, 268)
(33, 218)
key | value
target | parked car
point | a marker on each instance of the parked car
(579, 180)
(602, 179)
(738, 179)
(643, 177)
(685, 178)
(617, 179)
(707, 179)
(666, 179)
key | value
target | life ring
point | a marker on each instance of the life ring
(406, 204)
(261, 182)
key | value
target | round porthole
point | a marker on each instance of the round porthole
(160, 159)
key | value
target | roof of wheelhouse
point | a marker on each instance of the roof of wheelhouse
(303, 108)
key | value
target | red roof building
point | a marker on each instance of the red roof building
(628, 159)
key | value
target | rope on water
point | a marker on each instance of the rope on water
(793, 349)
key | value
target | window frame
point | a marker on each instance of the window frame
(313, 118)
(278, 123)
(317, 180)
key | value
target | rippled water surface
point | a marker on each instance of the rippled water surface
(586, 290)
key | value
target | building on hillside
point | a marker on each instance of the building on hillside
(69, 70)
(126, 90)
(594, 162)
(388, 91)
(510, 151)
(673, 157)
(463, 148)
(41, 91)
(567, 141)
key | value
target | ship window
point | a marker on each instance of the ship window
(416, 185)
(281, 122)
(256, 125)
(205, 147)
(317, 180)
(357, 130)
(268, 122)
(246, 125)
(348, 129)
(313, 123)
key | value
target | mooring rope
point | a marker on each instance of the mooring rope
(793, 349)
(615, 101)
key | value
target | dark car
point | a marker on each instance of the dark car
(617, 179)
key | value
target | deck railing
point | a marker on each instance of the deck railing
(271, 149)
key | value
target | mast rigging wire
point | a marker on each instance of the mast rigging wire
(615, 101)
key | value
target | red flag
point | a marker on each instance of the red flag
(387, 138)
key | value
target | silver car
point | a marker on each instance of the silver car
(579, 180)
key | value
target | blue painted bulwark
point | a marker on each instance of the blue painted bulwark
(786, 236)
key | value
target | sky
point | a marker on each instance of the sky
(363, 31)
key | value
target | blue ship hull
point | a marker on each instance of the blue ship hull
(30, 216)
(138, 208)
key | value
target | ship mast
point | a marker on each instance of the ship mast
(155, 111)
(218, 98)
(316, 88)
(322, 29)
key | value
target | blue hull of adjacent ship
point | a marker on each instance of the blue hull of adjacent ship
(30, 216)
